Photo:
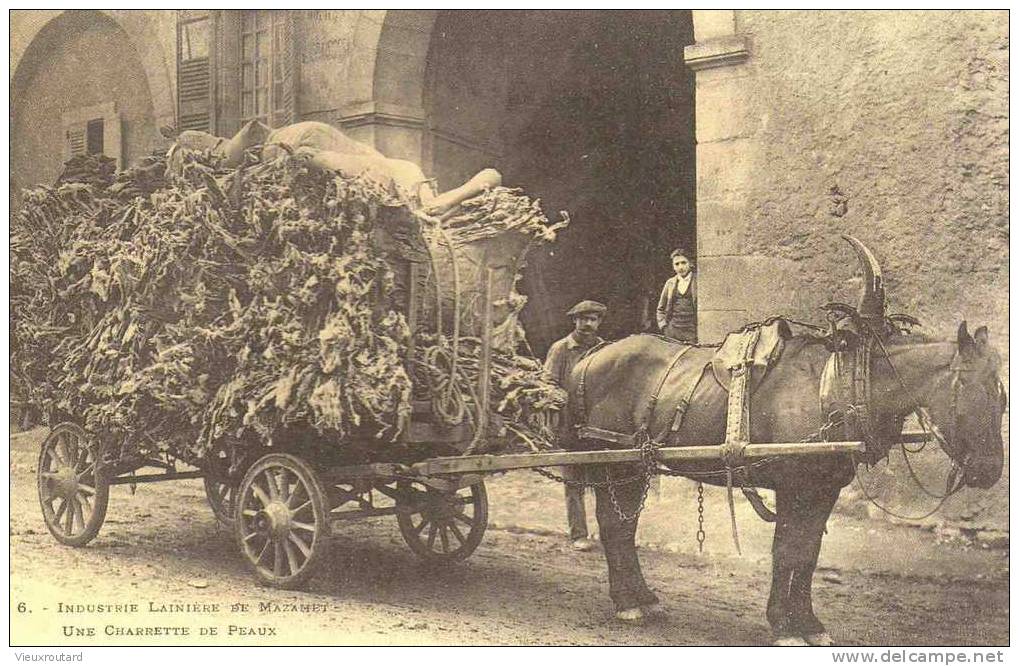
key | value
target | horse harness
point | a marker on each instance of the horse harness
(844, 393)
(737, 432)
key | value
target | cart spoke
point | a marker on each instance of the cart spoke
(456, 532)
(60, 510)
(291, 557)
(304, 548)
(463, 518)
(275, 490)
(262, 552)
(303, 526)
(277, 558)
(58, 454)
(250, 513)
(90, 469)
(294, 512)
(444, 538)
(282, 485)
(87, 489)
(431, 536)
(261, 494)
(84, 500)
(69, 519)
(74, 453)
(84, 463)
(250, 537)
(299, 492)
(76, 507)
(420, 528)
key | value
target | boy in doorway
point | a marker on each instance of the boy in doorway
(677, 306)
(562, 357)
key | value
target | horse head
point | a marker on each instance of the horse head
(966, 407)
(964, 403)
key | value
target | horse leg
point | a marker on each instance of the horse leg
(814, 511)
(798, 531)
(627, 587)
(778, 612)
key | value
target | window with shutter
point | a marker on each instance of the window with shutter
(234, 66)
(94, 137)
(194, 70)
(94, 130)
(75, 135)
(267, 64)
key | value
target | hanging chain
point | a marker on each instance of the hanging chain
(650, 467)
(700, 517)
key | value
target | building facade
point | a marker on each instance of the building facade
(756, 137)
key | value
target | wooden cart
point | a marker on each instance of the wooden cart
(287, 507)
(284, 506)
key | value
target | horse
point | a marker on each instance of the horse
(955, 386)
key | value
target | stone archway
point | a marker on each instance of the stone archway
(151, 34)
(84, 62)
(442, 94)
(400, 89)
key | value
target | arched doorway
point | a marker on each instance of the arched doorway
(594, 113)
(78, 60)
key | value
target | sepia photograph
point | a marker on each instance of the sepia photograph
(561, 327)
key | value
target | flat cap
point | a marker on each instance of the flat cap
(586, 307)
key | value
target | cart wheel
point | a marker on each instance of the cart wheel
(72, 491)
(440, 526)
(283, 520)
(223, 500)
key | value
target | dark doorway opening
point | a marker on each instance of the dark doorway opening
(593, 112)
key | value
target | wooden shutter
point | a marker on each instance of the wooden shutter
(194, 70)
(284, 71)
(75, 140)
(228, 72)
(75, 123)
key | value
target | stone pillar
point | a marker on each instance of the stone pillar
(725, 128)
(734, 285)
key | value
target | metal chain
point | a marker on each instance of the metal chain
(700, 517)
(586, 484)
(649, 460)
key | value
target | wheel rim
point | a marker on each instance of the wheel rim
(281, 523)
(442, 526)
(71, 490)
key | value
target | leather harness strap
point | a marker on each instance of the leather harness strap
(684, 402)
(653, 401)
(737, 418)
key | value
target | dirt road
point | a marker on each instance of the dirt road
(162, 550)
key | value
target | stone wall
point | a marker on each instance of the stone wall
(83, 59)
(891, 126)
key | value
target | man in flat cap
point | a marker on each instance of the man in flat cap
(562, 357)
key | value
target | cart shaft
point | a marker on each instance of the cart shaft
(500, 462)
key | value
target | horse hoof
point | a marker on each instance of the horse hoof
(790, 641)
(822, 639)
(631, 616)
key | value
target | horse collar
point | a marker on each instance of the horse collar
(846, 393)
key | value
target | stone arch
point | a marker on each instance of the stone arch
(34, 33)
(401, 60)
(471, 114)
(386, 81)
